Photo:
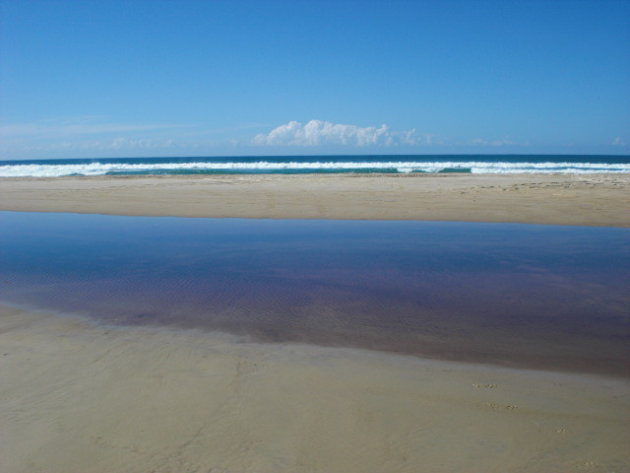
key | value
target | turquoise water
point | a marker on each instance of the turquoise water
(493, 164)
(517, 295)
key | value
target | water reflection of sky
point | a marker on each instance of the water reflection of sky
(529, 295)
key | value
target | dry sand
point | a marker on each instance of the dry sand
(76, 397)
(580, 199)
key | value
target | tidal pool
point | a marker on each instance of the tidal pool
(539, 296)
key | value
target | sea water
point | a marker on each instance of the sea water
(318, 164)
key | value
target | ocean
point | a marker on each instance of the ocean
(396, 164)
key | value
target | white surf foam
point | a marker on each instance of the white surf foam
(476, 167)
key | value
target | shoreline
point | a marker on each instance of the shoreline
(79, 396)
(561, 199)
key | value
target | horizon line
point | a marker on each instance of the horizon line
(249, 156)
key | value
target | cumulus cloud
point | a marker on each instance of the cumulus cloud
(319, 132)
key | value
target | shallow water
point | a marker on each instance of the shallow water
(519, 295)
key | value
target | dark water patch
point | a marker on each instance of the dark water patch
(456, 170)
(175, 172)
(516, 295)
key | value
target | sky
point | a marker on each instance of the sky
(83, 79)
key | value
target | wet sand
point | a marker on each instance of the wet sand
(579, 199)
(81, 397)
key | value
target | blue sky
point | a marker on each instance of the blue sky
(193, 78)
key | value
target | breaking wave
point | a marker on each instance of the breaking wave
(150, 166)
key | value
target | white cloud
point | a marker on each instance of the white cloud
(86, 136)
(618, 141)
(120, 143)
(484, 142)
(127, 143)
(319, 132)
(46, 130)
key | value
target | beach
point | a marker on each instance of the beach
(563, 199)
(314, 237)
(81, 397)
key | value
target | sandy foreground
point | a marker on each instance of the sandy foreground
(81, 397)
(76, 396)
(579, 199)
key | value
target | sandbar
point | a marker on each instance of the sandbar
(565, 199)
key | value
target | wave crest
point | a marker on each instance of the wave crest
(99, 168)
